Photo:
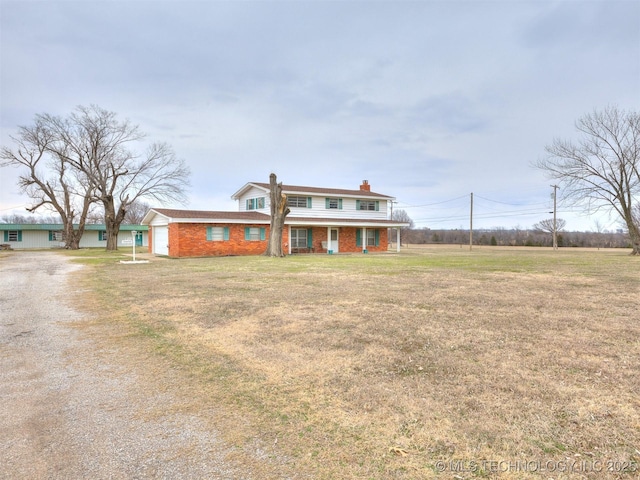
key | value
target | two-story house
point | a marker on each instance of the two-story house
(321, 220)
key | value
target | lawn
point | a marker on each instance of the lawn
(438, 362)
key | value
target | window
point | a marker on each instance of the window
(217, 234)
(373, 205)
(372, 239)
(102, 236)
(333, 203)
(254, 234)
(255, 203)
(299, 237)
(13, 235)
(56, 236)
(299, 202)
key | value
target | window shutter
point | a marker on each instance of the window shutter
(6, 236)
(358, 237)
(339, 204)
(19, 235)
(326, 203)
(309, 237)
(209, 234)
(377, 205)
(377, 238)
(225, 233)
(247, 233)
(357, 204)
(308, 202)
(51, 236)
(263, 235)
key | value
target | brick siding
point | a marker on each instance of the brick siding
(190, 240)
(347, 240)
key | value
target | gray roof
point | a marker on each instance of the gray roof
(316, 191)
(60, 226)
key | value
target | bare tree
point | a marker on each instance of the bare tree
(49, 180)
(97, 147)
(16, 218)
(136, 212)
(601, 170)
(279, 211)
(547, 225)
(405, 232)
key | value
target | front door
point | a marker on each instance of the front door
(333, 244)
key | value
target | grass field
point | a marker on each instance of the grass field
(434, 363)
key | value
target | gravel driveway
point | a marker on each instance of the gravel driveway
(74, 406)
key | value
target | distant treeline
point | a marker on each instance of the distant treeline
(516, 237)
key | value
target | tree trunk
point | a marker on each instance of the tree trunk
(279, 211)
(112, 220)
(71, 236)
(634, 235)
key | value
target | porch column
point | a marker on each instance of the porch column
(398, 239)
(289, 242)
(364, 239)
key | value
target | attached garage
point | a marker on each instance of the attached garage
(160, 242)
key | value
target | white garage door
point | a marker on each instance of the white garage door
(161, 240)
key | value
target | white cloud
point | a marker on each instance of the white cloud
(427, 100)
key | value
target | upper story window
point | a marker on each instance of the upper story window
(372, 205)
(298, 201)
(255, 203)
(333, 203)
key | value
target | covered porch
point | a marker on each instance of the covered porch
(341, 237)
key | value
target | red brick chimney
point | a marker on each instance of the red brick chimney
(365, 187)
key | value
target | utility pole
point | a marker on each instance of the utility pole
(471, 225)
(555, 228)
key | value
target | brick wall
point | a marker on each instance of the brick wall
(347, 236)
(347, 239)
(190, 240)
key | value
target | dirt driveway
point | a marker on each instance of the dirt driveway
(75, 406)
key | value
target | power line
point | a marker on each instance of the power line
(436, 203)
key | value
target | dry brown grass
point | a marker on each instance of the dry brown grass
(382, 366)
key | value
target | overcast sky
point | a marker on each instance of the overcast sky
(428, 100)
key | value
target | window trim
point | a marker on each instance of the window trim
(255, 203)
(217, 234)
(375, 238)
(368, 205)
(300, 201)
(56, 235)
(333, 203)
(295, 239)
(16, 234)
(261, 235)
